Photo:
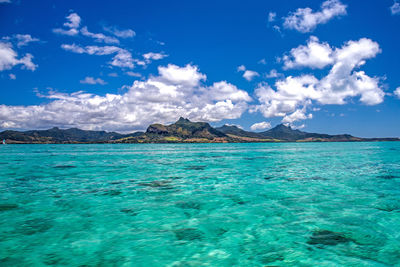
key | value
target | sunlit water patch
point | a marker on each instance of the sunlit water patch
(311, 204)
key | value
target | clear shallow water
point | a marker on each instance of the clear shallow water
(312, 204)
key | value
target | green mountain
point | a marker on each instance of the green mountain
(182, 131)
(56, 135)
(236, 131)
(286, 133)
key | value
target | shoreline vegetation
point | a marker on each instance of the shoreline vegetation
(182, 131)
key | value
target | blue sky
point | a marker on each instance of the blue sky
(323, 66)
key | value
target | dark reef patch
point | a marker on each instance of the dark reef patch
(116, 182)
(161, 184)
(188, 234)
(113, 193)
(195, 167)
(189, 205)
(389, 206)
(64, 166)
(8, 206)
(129, 211)
(33, 226)
(387, 176)
(329, 238)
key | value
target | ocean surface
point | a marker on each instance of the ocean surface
(289, 204)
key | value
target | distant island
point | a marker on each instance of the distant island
(182, 131)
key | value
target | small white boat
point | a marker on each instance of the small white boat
(4, 141)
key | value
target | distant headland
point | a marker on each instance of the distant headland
(182, 131)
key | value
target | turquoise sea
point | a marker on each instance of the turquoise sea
(289, 204)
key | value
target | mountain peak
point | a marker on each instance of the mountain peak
(282, 127)
(229, 126)
(182, 120)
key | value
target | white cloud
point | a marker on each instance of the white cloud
(296, 127)
(397, 92)
(72, 28)
(5, 1)
(128, 33)
(99, 37)
(12, 76)
(219, 91)
(9, 58)
(260, 126)
(188, 75)
(176, 91)
(72, 25)
(294, 94)
(154, 56)
(305, 20)
(277, 28)
(113, 74)
(91, 80)
(271, 16)
(291, 93)
(122, 58)
(247, 74)
(73, 48)
(241, 68)
(342, 81)
(313, 55)
(273, 74)
(262, 61)
(73, 21)
(148, 57)
(24, 39)
(133, 74)
(395, 9)
(299, 114)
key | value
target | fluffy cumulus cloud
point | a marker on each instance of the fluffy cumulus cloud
(395, 8)
(314, 55)
(293, 95)
(250, 74)
(9, 58)
(175, 91)
(247, 74)
(306, 20)
(91, 80)
(260, 126)
(273, 74)
(397, 92)
(71, 26)
(299, 114)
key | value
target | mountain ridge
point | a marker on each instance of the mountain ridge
(182, 131)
